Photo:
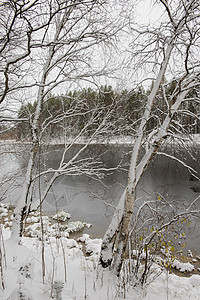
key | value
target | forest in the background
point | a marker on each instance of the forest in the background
(69, 113)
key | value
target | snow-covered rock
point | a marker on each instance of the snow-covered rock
(92, 246)
(190, 253)
(32, 219)
(84, 238)
(182, 267)
(61, 216)
(77, 226)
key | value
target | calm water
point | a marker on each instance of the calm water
(94, 201)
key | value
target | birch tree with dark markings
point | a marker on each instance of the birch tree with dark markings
(44, 46)
(167, 51)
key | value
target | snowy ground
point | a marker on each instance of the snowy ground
(23, 275)
(71, 269)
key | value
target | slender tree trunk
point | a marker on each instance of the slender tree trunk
(118, 231)
(122, 220)
(117, 236)
(23, 204)
(124, 231)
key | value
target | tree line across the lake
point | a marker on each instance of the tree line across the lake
(84, 110)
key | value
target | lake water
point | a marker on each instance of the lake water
(93, 201)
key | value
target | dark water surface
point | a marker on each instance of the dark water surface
(93, 201)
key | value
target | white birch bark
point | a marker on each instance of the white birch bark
(119, 228)
(127, 199)
(70, 35)
(23, 204)
(118, 231)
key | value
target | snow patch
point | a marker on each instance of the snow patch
(182, 267)
(75, 226)
(61, 216)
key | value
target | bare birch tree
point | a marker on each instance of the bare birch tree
(44, 46)
(169, 50)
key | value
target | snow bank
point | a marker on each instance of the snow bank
(71, 275)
